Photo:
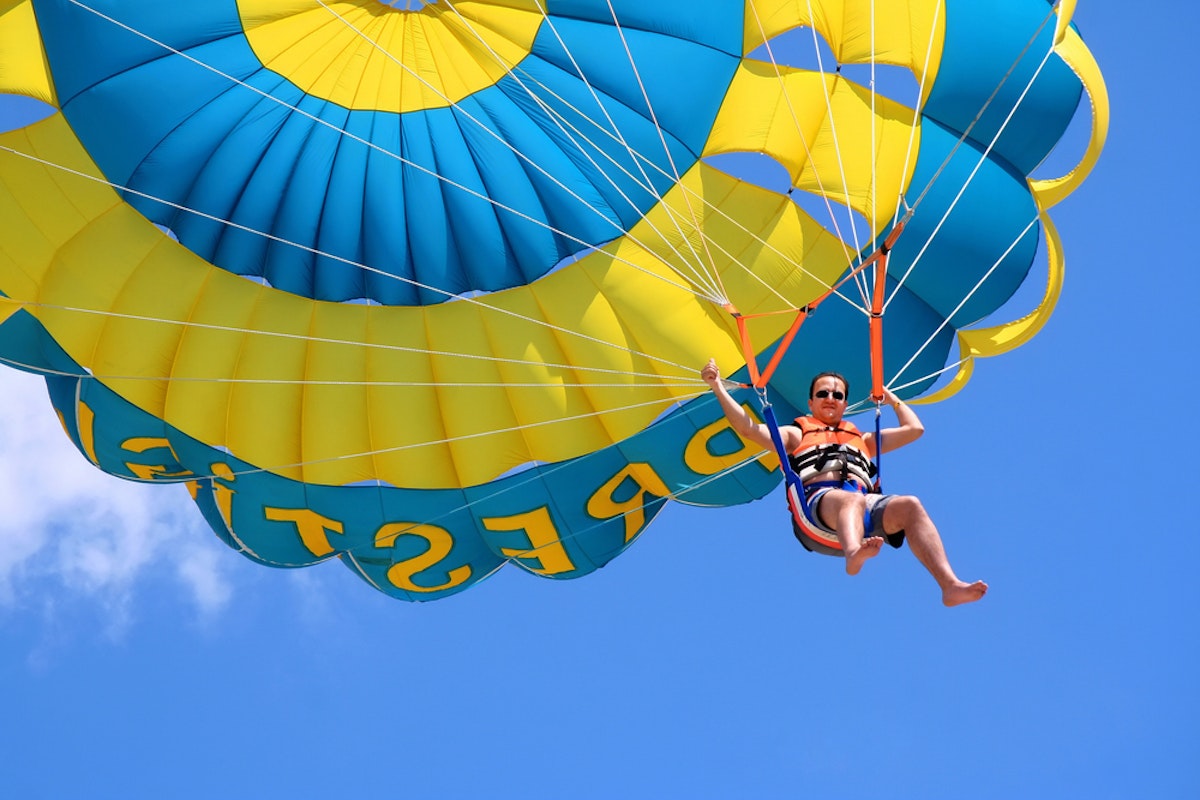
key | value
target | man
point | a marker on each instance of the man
(841, 507)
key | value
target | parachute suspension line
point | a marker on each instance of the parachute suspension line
(759, 379)
(702, 277)
(874, 132)
(642, 162)
(699, 281)
(654, 378)
(951, 366)
(715, 275)
(371, 145)
(975, 170)
(613, 132)
(638, 159)
(275, 468)
(987, 103)
(754, 277)
(966, 298)
(615, 135)
(874, 206)
(458, 108)
(837, 149)
(348, 262)
(653, 381)
(901, 203)
(824, 195)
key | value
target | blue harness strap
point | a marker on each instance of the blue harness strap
(878, 451)
(791, 479)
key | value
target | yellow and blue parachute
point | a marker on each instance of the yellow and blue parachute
(428, 289)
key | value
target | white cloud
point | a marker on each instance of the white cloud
(68, 529)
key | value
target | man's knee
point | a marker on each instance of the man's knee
(904, 509)
(837, 505)
(853, 502)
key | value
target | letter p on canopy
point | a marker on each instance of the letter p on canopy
(635, 482)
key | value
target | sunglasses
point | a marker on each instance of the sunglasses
(821, 395)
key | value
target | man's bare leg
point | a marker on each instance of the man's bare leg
(847, 508)
(907, 514)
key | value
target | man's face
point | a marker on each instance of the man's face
(828, 401)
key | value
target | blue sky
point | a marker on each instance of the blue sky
(142, 658)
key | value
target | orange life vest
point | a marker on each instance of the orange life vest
(825, 448)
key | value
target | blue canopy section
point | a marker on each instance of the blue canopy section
(561, 155)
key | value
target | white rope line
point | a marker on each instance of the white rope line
(666, 148)
(711, 281)
(615, 134)
(901, 205)
(966, 298)
(686, 191)
(699, 276)
(714, 275)
(698, 281)
(358, 344)
(837, 149)
(987, 103)
(457, 298)
(276, 468)
(640, 161)
(867, 404)
(821, 191)
(114, 378)
(970, 178)
(874, 194)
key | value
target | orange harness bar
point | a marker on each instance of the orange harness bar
(759, 380)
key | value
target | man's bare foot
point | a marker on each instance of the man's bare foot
(869, 548)
(959, 592)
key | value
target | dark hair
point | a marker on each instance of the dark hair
(845, 383)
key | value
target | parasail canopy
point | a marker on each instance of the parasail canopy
(428, 289)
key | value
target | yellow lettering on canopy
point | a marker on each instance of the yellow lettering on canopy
(150, 472)
(440, 544)
(545, 546)
(313, 528)
(602, 504)
(85, 421)
(222, 494)
(700, 459)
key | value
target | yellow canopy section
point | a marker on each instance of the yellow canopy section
(908, 34)
(833, 139)
(364, 55)
(425, 397)
(23, 66)
(1074, 52)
